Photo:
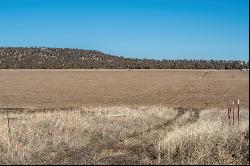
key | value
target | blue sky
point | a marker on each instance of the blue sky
(157, 29)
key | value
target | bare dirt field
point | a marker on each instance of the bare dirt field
(74, 88)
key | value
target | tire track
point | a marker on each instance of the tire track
(195, 114)
(132, 154)
(148, 147)
(160, 126)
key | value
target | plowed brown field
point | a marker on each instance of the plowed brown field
(74, 88)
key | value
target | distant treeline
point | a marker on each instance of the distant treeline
(65, 58)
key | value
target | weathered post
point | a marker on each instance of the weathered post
(230, 111)
(233, 112)
(228, 115)
(238, 111)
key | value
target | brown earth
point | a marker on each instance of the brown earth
(73, 88)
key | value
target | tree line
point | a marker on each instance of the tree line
(66, 58)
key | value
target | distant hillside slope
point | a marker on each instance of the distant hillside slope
(65, 58)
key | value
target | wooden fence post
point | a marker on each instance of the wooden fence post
(238, 111)
(233, 111)
(230, 112)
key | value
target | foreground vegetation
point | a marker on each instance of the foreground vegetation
(65, 58)
(122, 135)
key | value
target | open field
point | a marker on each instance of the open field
(122, 117)
(74, 88)
(124, 135)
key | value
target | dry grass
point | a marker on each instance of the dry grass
(123, 135)
(208, 141)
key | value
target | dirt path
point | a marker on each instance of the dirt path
(107, 152)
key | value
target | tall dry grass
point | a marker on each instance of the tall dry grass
(211, 140)
(123, 135)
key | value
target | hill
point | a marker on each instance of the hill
(65, 58)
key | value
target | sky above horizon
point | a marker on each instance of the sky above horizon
(154, 29)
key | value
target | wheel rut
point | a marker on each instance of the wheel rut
(130, 154)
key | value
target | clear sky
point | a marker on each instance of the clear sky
(157, 29)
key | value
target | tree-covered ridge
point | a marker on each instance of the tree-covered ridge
(65, 58)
